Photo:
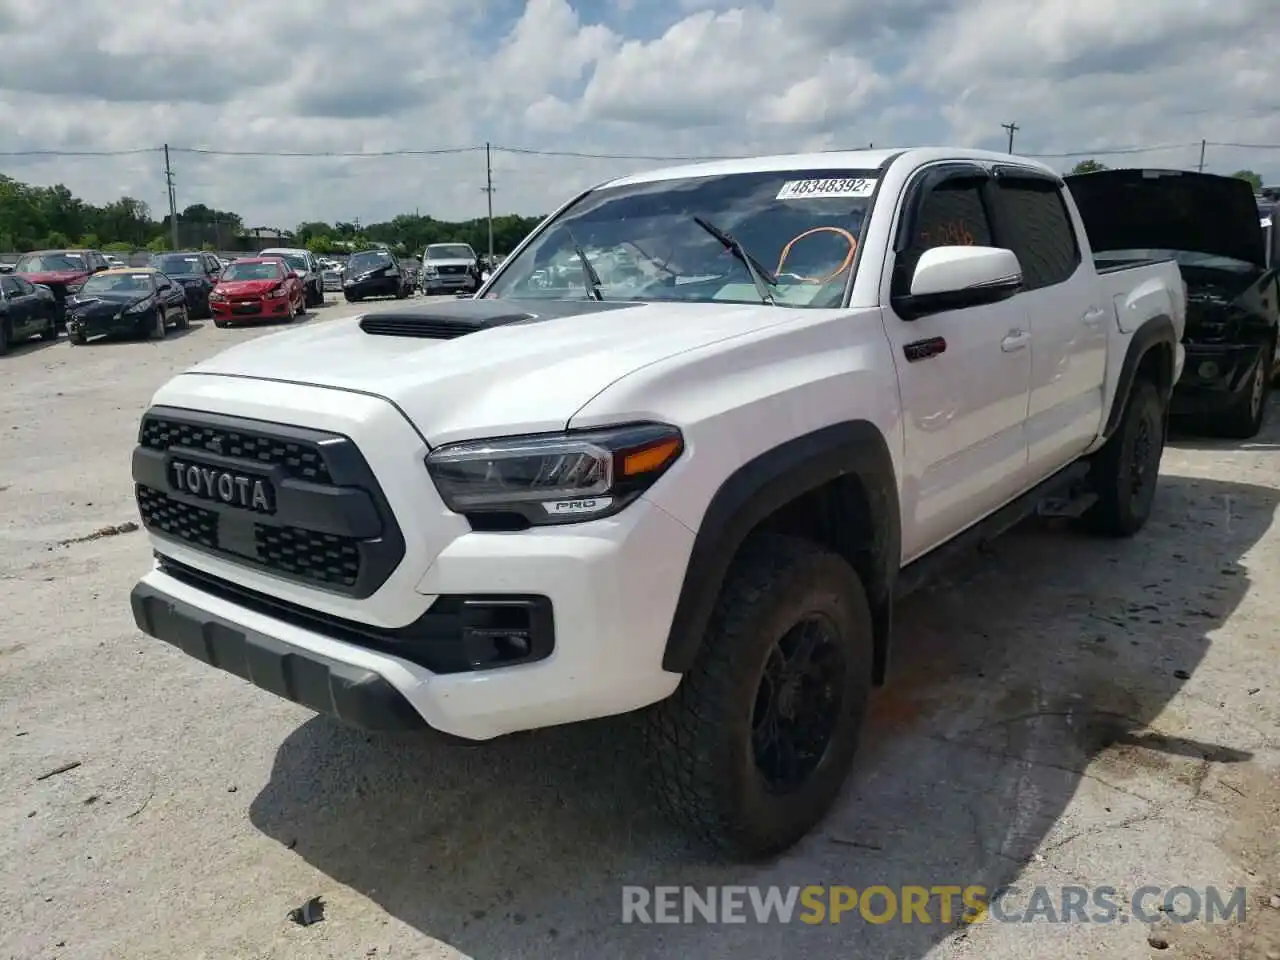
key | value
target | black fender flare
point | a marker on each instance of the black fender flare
(759, 488)
(1150, 335)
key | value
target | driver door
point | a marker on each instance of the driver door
(964, 375)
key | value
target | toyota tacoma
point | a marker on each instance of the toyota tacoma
(692, 488)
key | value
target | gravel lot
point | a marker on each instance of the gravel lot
(1065, 711)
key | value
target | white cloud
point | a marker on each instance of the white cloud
(700, 77)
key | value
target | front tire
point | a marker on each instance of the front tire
(1125, 472)
(159, 329)
(50, 331)
(753, 748)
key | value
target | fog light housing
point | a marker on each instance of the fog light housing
(1208, 370)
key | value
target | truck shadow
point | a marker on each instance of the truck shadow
(1034, 669)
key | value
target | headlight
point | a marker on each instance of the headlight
(277, 293)
(142, 307)
(516, 482)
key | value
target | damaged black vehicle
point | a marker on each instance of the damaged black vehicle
(1210, 226)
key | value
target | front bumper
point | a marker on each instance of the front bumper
(381, 287)
(610, 590)
(243, 310)
(1214, 376)
(450, 281)
(117, 324)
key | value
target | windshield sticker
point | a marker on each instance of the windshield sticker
(140, 276)
(826, 189)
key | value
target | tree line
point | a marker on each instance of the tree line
(1094, 166)
(44, 218)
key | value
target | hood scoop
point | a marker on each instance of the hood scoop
(444, 321)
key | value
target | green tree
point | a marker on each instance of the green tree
(1253, 179)
(158, 244)
(1089, 166)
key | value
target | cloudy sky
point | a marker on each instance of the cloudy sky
(638, 78)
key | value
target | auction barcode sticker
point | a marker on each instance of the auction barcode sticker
(826, 189)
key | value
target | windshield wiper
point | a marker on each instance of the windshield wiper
(588, 271)
(761, 276)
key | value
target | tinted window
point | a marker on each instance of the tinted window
(1039, 231)
(24, 287)
(9, 286)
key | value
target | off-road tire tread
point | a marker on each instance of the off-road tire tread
(679, 731)
(1110, 516)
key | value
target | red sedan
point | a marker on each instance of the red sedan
(257, 288)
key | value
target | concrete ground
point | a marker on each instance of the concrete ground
(1065, 711)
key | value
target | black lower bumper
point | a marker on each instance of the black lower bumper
(1214, 377)
(373, 288)
(357, 697)
(130, 326)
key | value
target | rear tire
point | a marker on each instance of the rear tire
(50, 331)
(1247, 415)
(6, 340)
(780, 687)
(221, 324)
(184, 320)
(1125, 472)
(78, 339)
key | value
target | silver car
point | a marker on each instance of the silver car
(449, 268)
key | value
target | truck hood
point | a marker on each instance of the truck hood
(1170, 210)
(469, 368)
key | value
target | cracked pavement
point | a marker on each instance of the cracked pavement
(1063, 711)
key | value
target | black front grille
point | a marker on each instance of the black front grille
(453, 271)
(331, 526)
(298, 460)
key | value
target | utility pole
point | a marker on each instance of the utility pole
(1202, 146)
(173, 200)
(488, 188)
(1013, 128)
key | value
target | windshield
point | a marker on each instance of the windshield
(450, 251)
(1184, 258)
(50, 263)
(368, 261)
(644, 241)
(100, 284)
(177, 265)
(269, 270)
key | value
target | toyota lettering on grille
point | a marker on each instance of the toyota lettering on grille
(223, 486)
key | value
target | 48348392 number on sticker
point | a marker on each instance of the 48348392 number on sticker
(826, 189)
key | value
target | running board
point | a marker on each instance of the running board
(1056, 492)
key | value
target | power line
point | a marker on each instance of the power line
(204, 151)
(80, 153)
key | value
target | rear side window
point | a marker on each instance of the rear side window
(1035, 225)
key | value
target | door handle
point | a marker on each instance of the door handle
(1093, 317)
(1015, 340)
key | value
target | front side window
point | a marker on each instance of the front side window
(952, 214)
(665, 241)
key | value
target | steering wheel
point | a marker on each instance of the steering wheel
(844, 264)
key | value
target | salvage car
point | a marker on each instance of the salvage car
(62, 271)
(197, 272)
(126, 301)
(695, 493)
(375, 273)
(258, 288)
(1210, 225)
(450, 268)
(304, 263)
(26, 310)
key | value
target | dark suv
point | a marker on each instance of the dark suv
(375, 273)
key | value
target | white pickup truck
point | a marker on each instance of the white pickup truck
(692, 488)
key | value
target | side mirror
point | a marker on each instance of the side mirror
(953, 278)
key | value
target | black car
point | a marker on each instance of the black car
(130, 301)
(375, 273)
(198, 274)
(1210, 226)
(26, 310)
